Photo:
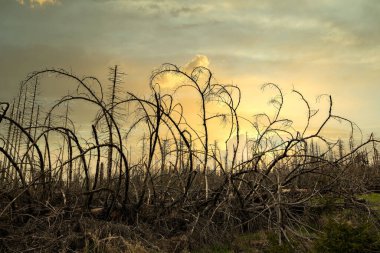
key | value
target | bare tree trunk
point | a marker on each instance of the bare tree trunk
(32, 171)
(278, 209)
(110, 136)
(8, 146)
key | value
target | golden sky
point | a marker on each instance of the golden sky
(317, 47)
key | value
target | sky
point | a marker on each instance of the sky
(316, 47)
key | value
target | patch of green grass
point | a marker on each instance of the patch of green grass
(248, 243)
(215, 249)
(373, 198)
(275, 247)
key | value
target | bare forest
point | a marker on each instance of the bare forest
(143, 177)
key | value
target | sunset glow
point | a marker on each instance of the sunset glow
(189, 126)
(325, 48)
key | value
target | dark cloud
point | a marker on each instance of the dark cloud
(333, 43)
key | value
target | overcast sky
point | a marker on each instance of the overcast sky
(316, 47)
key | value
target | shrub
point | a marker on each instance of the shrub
(347, 238)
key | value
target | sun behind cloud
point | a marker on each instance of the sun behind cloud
(36, 3)
(198, 61)
(171, 80)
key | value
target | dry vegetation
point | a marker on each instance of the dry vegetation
(175, 190)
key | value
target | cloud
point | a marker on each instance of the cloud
(171, 80)
(164, 8)
(36, 3)
(198, 61)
